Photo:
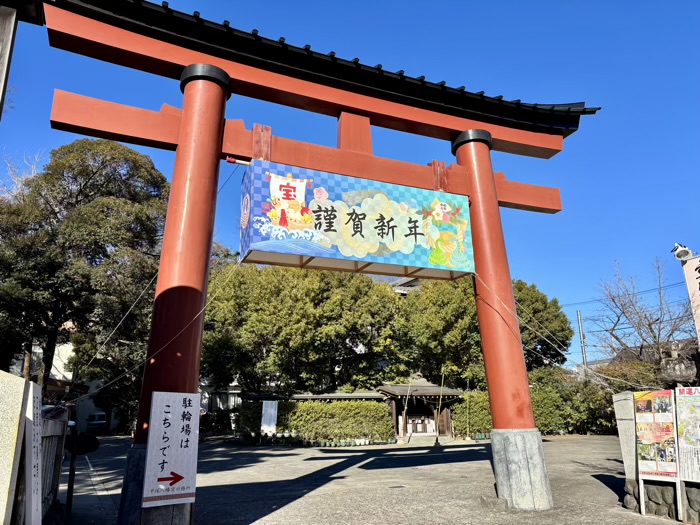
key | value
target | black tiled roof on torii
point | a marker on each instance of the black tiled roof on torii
(249, 48)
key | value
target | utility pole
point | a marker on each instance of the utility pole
(583, 343)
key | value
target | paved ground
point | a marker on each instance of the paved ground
(397, 484)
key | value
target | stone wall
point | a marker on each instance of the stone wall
(661, 499)
(691, 502)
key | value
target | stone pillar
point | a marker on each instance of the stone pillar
(624, 415)
(518, 458)
(178, 318)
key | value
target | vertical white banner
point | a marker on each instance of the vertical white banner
(32, 456)
(268, 425)
(691, 270)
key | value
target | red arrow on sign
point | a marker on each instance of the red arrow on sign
(173, 479)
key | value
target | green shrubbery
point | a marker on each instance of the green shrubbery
(214, 423)
(472, 416)
(342, 420)
(321, 421)
(249, 417)
(562, 405)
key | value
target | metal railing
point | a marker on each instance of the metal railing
(53, 437)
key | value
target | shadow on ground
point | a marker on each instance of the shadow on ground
(254, 501)
(614, 483)
(612, 477)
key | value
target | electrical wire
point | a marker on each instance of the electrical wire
(555, 346)
(133, 305)
(650, 290)
(151, 356)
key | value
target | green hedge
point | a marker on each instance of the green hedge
(250, 417)
(551, 413)
(219, 422)
(561, 405)
(324, 421)
(342, 420)
(472, 415)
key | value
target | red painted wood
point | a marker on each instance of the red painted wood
(439, 174)
(98, 118)
(178, 311)
(105, 42)
(354, 133)
(506, 374)
(262, 142)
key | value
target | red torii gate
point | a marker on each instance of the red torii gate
(159, 40)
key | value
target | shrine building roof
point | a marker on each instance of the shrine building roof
(278, 56)
(418, 388)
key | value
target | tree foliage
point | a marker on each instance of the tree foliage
(561, 401)
(291, 329)
(440, 333)
(545, 329)
(78, 242)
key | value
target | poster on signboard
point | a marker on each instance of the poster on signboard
(688, 411)
(298, 217)
(655, 423)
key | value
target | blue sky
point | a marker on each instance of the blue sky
(628, 177)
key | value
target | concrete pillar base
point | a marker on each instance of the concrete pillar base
(132, 487)
(521, 473)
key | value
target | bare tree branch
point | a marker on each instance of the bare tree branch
(629, 320)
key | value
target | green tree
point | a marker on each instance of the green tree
(77, 240)
(545, 329)
(297, 329)
(440, 331)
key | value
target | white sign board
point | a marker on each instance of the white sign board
(171, 457)
(268, 423)
(688, 410)
(657, 453)
(32, 456)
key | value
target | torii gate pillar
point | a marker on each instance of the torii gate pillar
(518, 457)
(178, 312)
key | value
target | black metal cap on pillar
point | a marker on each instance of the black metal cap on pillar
(471, 135)
(206, 72)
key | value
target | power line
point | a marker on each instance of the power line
(133, 305)
(650, 290)
(555, 346)
(151, 356)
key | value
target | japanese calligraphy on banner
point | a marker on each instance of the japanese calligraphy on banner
(173, 442)
(688, 411)
(655, 424)
(298, 217)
